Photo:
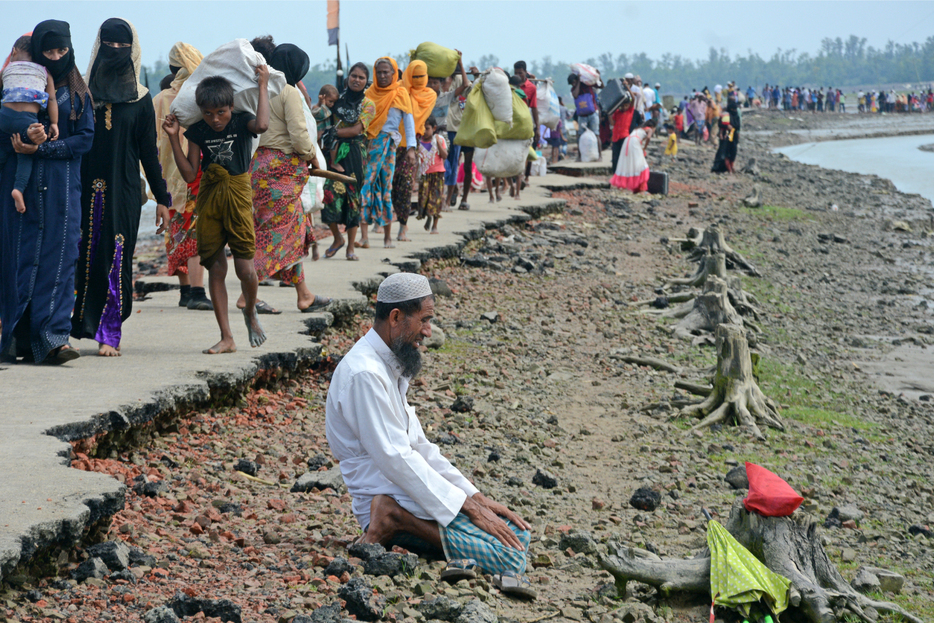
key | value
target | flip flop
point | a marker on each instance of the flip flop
(515, 585)
(262, 307)
(320, 303)
(464, 206)
(353, 258)
(332, 251)
(62, 354)
(460, 569)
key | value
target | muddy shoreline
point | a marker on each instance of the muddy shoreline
(537, 328)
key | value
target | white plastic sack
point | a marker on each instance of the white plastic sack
(549, 109)
(539, 167)
(498, 95)
(313, 192)
(587, 74)
(504, 159)
(588, 146)
(237, 62)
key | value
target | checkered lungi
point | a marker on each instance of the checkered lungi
(462, 539)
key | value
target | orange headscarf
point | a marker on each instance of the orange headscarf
(393, 96)
(423, 98)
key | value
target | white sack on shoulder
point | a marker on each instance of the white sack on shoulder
(236, 61)
(498, 95)
(549, 108)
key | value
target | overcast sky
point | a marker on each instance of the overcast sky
(566, 30)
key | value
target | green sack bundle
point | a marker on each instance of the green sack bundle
(476, 129)
(441, 61)
(523, 128)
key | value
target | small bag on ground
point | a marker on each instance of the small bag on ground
(588, 147)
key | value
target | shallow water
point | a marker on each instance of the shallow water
(896, 158)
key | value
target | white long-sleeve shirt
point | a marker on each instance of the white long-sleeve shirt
(380, 444)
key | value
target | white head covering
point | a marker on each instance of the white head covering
(403, 287)
(628, 76)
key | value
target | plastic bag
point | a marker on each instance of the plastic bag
(504, 159)
(313, 192)
(235, 61)
(523, 127)
(477, 125)
(588, 146)
(769, 495)
(441, 61)
(587, 74)
(549, 109)
(539, 167)
(498, 95)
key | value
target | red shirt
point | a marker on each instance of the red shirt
(622, 119)
(531, 94)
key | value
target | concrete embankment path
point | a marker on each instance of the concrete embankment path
(45, 504)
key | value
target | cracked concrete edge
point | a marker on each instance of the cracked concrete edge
(108, 496)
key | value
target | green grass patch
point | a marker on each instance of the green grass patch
(778, 213)
(822, 418)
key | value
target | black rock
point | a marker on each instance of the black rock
(514, 481)
(494, 456)
(737, 478)
(330, 613)
(90, 568)
(365, 551)
(61, 585)
(391, 564)
(660, 302)
(247, 467)
(833, 519)
(231, 507)
(439, 287)
(168, 462)
(580, 542)
(33, 595)
(125, 575)
(161, 614)
(151, 489)
(224, 609)
(922, 530)
(645, 499)
(138, 558)
(317, 462)
(441, 608)
(115, 554)
(446, 439)
(361, 602)
(337, 567)
(463, 404)
(544, 480)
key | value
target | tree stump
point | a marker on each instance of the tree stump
(736, 395)
(790, 546)
(714, 264)
(708, 311)
(711, 240)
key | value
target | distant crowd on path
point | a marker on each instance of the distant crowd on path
(804, 99)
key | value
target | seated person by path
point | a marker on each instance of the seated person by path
(403, 489)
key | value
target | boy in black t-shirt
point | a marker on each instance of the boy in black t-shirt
(225, 198)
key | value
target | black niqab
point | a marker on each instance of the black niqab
(349, 105)
(53, 34)
(292, 61)
(113, 78)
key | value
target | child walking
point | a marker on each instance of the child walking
(222, 141)
(27, 89)
(432, 153)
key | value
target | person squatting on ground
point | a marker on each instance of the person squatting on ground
(225, 199)
(27, 89)
(403, 489)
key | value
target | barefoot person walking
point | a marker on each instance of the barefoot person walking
(124, 137)
(220, 144)
(403, 489)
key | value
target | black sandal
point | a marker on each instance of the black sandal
(460, 569)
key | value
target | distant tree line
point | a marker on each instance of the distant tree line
(839, 63)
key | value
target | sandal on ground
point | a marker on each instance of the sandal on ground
(320, 303)
(362, 245)
(460, 569)
(353, 258)
(262, 307)
(515, 585)
(332, 251)
(62, 354)
(463, 206)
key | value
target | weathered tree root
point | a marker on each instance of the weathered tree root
(735, 395)
(708, 311)
(790, 546)
(745, 303)
(710, 241)
(714, 265)
(679, 297)
(651, 362)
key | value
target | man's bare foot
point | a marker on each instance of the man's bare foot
(253, 328)
(106, 350)
(434, 230)
(224, 346)
(385, 520)
(18, 200)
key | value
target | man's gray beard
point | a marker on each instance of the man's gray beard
(409, 357)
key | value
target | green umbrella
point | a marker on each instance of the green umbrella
(738, 579)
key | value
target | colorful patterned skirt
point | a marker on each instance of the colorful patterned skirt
(431, 194)
(181, 244)
(278, 217)
(342, 201)
(376, 195)
(402, 183)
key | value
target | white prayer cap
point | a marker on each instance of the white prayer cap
(403, 287)
(628, 76)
